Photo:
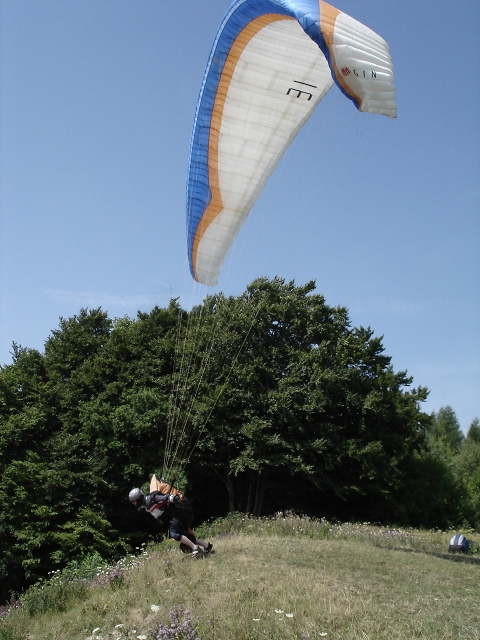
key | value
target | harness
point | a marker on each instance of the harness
(156, 503)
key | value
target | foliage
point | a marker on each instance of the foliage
(446, 428)
(73, 423)
(86, 568)
(51, 597)
(10, 634)
(456, 463)
(474, 431)
(293, 391)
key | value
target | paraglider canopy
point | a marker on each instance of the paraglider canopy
(271, 63)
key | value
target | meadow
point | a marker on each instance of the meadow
(281, 578)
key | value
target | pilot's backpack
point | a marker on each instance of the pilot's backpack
(458, 544)
(164, 487)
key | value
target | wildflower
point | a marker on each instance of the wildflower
(155, 608)
(278, 610)
(256, 619)
(141, 637)
(289, 615)
(179, 629)
(95, 630)
(117, 626)
(323, 635)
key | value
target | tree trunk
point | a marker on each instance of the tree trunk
(231, 493)
(250, 491)
(257, 494)
(263, 486)
(260, 492)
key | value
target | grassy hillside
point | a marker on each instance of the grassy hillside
(283, 578)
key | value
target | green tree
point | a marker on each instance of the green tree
(430, 494)
(291, 388)
(466, 467)
(473, 433)
(78, 426)
(446, 428)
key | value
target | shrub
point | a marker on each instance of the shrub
(10, 634)
(43, 597)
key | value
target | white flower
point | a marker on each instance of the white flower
(278, 610)
(323, 635)
(117, 626)
(142, 637)
(155, 608)
(289, 615)
(256, 619)
(95, 630)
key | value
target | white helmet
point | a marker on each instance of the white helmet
(135, 494)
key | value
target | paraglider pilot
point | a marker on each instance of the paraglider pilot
(176, 512)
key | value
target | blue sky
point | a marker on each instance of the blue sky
(97, 105)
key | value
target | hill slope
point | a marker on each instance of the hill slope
(275, 587)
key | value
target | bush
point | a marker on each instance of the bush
(10, 634)
(43, 597)
(85, 569)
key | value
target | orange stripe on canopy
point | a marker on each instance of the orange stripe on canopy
(215, 205)
(328, 16)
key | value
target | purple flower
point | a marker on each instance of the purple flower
(9, 608)
(181, 627)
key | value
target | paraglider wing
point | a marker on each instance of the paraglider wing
(271, 63)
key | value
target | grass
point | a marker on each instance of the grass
(281, 578)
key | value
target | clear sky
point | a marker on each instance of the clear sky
(97, 106)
